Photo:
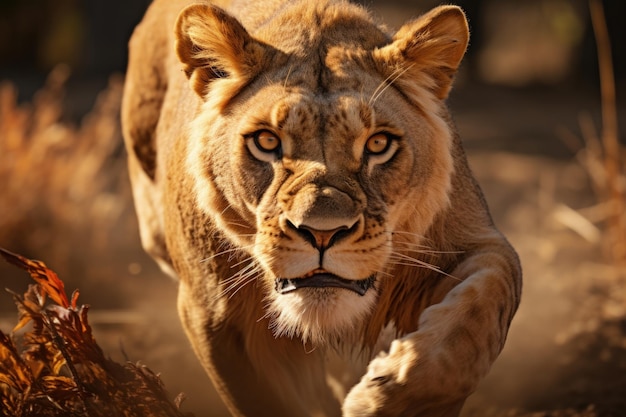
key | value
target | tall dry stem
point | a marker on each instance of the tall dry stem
(612, 150)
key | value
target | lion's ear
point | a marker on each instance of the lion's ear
(428, 50)
(212, 44)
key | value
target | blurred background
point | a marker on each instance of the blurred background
(516, 44)
(542, 137)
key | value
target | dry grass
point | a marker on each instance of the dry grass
(612, 189)
(59, 179)
(56, 369)
(603, 155)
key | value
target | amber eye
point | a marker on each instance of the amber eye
(266, 141)
(377, 144)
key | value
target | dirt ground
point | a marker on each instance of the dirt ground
(566, 352)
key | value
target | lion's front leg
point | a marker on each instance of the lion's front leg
(220, 347)
(255, 373)
(432, 371)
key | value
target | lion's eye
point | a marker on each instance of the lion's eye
(264, 145)
(380, 148)
(266, 141)
(377, 144)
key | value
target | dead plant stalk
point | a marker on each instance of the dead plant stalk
(616, 222)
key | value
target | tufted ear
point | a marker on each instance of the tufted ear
(212, 44)
(428, 50)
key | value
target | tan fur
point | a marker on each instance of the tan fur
(228, 218)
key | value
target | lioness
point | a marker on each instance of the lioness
(295, 166)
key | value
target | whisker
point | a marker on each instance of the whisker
(242, 225)
(241, 262)
(423, 249)
(403, 236)
(234, 288)
(287, 77)
(379, 91)
(383, 84)
(384, 273)
(252, 264)
(404, 232)
(226, 208)
(239, 280)
(233, 223)
(246, 279)
(423, 243)
(405, 260)
(233, 281)
(409, 245)
(227, 251)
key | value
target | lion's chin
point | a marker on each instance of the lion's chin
(320, 315)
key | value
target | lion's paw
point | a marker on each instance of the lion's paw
(382, 389)
(403, 383)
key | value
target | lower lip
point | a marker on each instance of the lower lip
(323, 280)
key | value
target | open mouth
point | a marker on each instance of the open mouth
(324, 280)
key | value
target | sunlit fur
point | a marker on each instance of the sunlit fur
(229, 218)
(319, 317)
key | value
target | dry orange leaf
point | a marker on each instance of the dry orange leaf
(48, 279)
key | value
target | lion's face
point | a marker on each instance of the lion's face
(315, 168)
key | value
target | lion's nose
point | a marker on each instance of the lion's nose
(323, 239)
(321, 215)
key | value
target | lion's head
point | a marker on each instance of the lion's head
(318, 147)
